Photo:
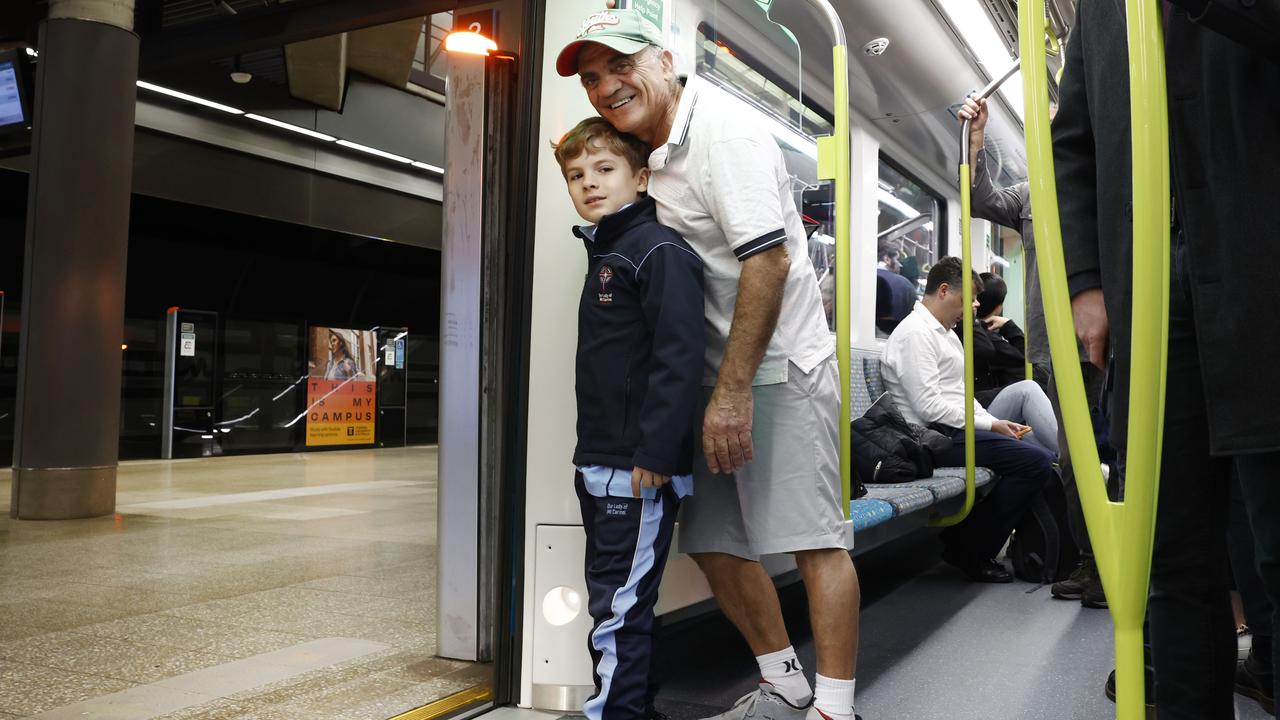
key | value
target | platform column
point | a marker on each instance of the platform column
(69, 366)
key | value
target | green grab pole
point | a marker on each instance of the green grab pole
(966, 285)
(834, 164)
(1122, 533)
(844, 215)
(966, 260)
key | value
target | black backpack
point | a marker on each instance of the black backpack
(1042, 550)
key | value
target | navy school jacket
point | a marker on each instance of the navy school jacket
(640, 344)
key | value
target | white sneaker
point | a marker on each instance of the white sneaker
(763, 704)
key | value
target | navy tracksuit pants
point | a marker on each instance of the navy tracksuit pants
(627, 544)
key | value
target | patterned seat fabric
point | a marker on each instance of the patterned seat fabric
(884, 502)
(869, 512)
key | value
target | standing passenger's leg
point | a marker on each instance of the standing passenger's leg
(1260, 485)
(628, 541)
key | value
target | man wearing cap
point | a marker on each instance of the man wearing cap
(768, 481)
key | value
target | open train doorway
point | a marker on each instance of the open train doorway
(328, 193)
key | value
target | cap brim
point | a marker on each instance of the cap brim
(567, 62)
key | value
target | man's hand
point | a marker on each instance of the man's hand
(995, 322)
(974, 109)
(1089, 313)
(646, 478)
(726, 430)
(1009, 429)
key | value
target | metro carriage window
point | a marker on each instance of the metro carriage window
(908, 224)
(794, 125)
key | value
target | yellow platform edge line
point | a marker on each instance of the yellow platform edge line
(444, 706)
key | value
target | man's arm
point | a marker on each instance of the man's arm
(726, 429)
(1075, 163)
(743, 194)
(988, 202)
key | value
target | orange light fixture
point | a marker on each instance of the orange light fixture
(124, 346)
(470, 43)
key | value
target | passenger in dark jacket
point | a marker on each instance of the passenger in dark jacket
(1223, 64)
(999, 359)
(639, 369)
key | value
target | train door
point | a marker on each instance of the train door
(483, 340)
(769, 63)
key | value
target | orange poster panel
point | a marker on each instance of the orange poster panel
(340, 412)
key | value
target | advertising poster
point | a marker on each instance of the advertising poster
(342, 387)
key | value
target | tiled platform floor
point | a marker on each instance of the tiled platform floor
(212, 561)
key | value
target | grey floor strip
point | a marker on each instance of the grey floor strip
(210, 684)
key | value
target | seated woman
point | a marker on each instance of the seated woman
(999, 368)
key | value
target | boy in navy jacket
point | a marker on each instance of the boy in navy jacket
(639, 368)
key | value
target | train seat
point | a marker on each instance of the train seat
(918, 500)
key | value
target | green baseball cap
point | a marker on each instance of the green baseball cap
(623, 30)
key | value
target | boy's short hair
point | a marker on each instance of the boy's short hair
(597, 133)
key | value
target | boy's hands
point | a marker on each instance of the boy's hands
(646, 478)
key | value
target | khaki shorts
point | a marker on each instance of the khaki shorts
(788, 498)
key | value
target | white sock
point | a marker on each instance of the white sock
(833, 699)
(782, 670)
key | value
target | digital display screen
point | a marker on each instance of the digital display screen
(10, 95)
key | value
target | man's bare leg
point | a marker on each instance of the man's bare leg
(834, 601)
(747, 596)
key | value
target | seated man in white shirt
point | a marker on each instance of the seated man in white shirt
(924, 373)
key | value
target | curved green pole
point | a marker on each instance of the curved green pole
(833, 164)
(966, 287)
(1122, 533)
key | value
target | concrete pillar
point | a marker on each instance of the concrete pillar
(68, 405)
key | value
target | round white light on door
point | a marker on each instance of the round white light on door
(561, 605)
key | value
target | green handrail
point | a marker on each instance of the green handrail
(1122, 533)
(966, 287)
(833, 164)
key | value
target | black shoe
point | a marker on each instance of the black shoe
(1093, 596)
(983, 571)
(1110, 691)
(1253, 682)
(1074, 586)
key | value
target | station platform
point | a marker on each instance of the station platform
(270, 586)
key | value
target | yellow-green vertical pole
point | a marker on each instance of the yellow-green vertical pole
(966, 286)
(1121, 533)
(844, 218)
(833, 164)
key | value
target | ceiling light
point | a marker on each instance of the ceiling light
(375, 151)
(290, 127)
(428, 166)
(189, 98)
(238, 75)
(975, 29)
(470, 43)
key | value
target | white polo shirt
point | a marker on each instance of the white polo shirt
(721, 182)
(923, 368)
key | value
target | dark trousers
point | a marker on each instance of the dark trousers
(1093, 383)
(1192, 633)
(1023, 469)
(627, 544)
(1244, 570)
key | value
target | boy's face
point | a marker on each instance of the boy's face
(601, 182)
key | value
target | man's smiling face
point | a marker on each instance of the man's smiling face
(633, 92)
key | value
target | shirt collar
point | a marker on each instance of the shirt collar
(930, 321)
(679, 128)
